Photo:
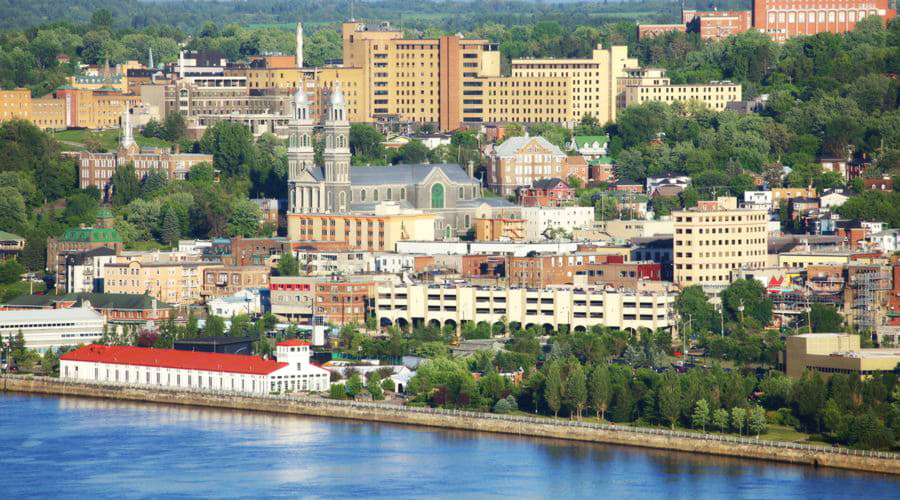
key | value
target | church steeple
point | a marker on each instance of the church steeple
(127, 143)
(337, 138)
(301, 156)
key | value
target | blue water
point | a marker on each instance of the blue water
(52, 447)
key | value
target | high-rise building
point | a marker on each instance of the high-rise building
(715, 238)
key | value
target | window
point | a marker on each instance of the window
(437, 196)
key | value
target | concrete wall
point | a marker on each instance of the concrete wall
(485, 422)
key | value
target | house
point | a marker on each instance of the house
(628, 185)
(834, 197)
(553, 192)
(248, 301)
(11, 245)
(757, 200)
(591, 147)
(519, 161)
(601, 170)
(886, 240)
(653, 183)
(797, 207)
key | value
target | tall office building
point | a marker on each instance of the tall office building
(714, 239)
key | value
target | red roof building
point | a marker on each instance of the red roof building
(171, 358)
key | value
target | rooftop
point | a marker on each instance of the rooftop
(171, 358)
(44, 315)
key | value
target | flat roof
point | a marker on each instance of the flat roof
(34, 315)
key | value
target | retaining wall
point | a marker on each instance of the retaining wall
(711, 444)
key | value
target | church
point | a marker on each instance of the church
(446, 191)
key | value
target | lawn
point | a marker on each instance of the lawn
(109, 139)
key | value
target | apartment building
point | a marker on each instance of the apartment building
(15, 104)
(641, 85)
(577, 308)
(293, 297)
(710, 241)
(542, 222)
(228, 280)
(521, 161)
(377, 230)
(716, 24)
(67, 107)
(172, 281)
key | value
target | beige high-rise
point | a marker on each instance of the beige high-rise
(712, 240)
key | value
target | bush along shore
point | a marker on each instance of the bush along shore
(712, 444)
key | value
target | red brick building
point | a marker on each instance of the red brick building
(783, 19)
(652, 30)
(587, 269)
(716, 25)
(546, 193)
(224, 281)
(342, 302)
(886, 184)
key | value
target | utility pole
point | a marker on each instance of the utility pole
(741, 310)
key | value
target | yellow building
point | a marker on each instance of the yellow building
(578, 308)
(641, 85)
(171, 281)
(499, 228)
(829, 353)
(786, 194)
(804, 259)
(15, 104)
(379, 230)
(713, 240)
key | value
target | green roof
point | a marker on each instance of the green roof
(92, 235)
(4, 236)
(582, 140)
(98, 300)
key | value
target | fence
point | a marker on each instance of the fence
(319, 401)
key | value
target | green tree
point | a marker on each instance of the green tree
(174, 127)
(13, 215)
(756, 420)
(354, 385)
(125, 184)
(700, 417)
(388, 385)
(170, 229)
(202, 174)
(692, 303)
(720, 419)
(749, 295)
(215, 327)
(575, 393)
(10, 271)
(669, 399)
(366, 144)
(373, 385)
(414, 151)
(553, 387)
(600, 390)
(232, 147)
(738, 419)
(825, 319)
(809, 399)
(244, 219)
(337, 391)
(288, 265)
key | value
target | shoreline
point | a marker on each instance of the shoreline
(773, 451)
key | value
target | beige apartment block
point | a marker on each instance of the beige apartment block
(15, 104)
(709, 244)
(578, 308)
(174, 282)
(642, 85)
(379, 230)
(829, 353)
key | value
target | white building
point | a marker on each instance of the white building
(197, 370)
(84, 270)
(757, 200)
(653, 183)
(52, 328)
(833, 199)
(873, 227)
(247, 301)
(540, 221)
(394, 263)
(886, 240)
(193, 247)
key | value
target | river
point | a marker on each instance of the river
(68, 447)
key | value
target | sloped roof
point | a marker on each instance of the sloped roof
(548, 183)
(492, 202)
(92, 235)
(512, 145)
(98, 300)
(170, 358)
(406, 174)
(4, 236)
(589, 140)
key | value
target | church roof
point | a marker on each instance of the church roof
(512, 145)
(406, 174)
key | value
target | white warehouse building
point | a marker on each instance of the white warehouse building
(53, 328)
(198, 370)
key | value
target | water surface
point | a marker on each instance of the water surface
(67, 447)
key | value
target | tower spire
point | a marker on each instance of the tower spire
(150, 62)
(299, 45)
(127, 137)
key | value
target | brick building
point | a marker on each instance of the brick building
(579, 269)
(783, 19)
(552, 192)
(652, 30)
(117, 308)
(228, 280)
(342, 302)
(520, 161)
(717, 24)
(104, 235)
